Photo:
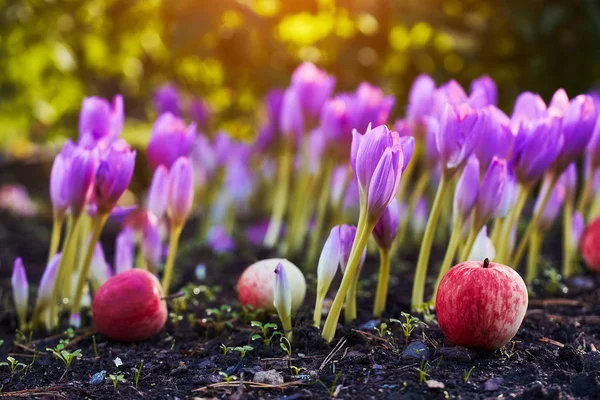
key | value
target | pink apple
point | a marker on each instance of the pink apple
(128, 307)
(481, 304)
(255, 287)
(590, 245)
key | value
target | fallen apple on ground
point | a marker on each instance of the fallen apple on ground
(590, 245)
(129, 307)
(481, 304)
(255, 286)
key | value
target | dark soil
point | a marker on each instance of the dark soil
(552, 357)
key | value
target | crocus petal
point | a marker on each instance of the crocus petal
(407, 143)
(553, 205)
(81, 178)
(467, 189)
(291, 120)
(387, 227)
(170, 140)
(48, 279)
(577, 127)
(20, 287)
(158, 193)
(490, 197)
(282, 296)
(420, 98)
(487, 86)
(124, 251)
(313, 87)
(181, 190)
(329, 260)
(166, 99)
(60, 185)
(482, 247)
(384, 183)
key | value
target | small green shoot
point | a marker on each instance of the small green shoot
(227, 378)
(12, 365)
(468, 374)
(383, 330)
(95, 347)
(423, 371)
(408, 325)
(243, 350)
(264, 335)
(60, 353)
(116, 378)
(287, 347)
(138, 372)
(225, 349)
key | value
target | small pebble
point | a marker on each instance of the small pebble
(98, 378)
(492, 384)
(416, 350)
(200, 272)
(270, 377)
(582, 282)
(433, 384)
(370, 325)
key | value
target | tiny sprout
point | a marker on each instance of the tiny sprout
(224, 348)
(95, 347)
(12, 365)
(266, 338)
(468, 374)
(423, 371)
(63, 355)
(116, 379)
(243, 350)
(227, 378)
(138, 372)
(408, 325)
(287, 347)
(382, 329)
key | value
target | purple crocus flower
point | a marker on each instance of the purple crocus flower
(577, 127)
(113, 175)
(166, 100)
(273, 104)
(420, 215)
(347, 236)
(457, 136)
(329, 260)
(255, 233)
(407, 143)
(47, 282)
(509, 195)
(60, 185)
(99, 121)
(282, 295)
(569, 180)
(487, 86)
(291, 120)
(335, 124)
(151, 246)
(369, 106)
(559, 104)
(200, 112)
(377, 161)
(387, 227)
(489, 200)
(124, 250)
(450, 93)
(553, 205)
(158, 193)
(536, 148)
(467, 189)
(528, 107)
(170, 140)
(20, 289)
(420, 98)
(181, 191)
(432, 155)
(497, 138)
(220, 241)
(593, 149)
(313, 87)
(81, 179)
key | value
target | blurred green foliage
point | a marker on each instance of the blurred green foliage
(55, 52)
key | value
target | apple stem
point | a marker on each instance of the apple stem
(486, 263)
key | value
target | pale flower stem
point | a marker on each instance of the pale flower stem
(382, 282)
(533, 256)
(449, 257)
(350, 309)
(505, 231)
(173, 244)
(97, 226)
(427, 242)
(318, 310)
(568, 267)
(280, 199)
(363, 232)
(55, 238)
(315, 238)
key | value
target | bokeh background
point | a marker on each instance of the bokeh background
(230, 52)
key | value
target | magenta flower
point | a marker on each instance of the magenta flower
(99, 121)
(48, 279)
(200, 112)
(369, 106)
(81, 179)
(407, 144)
(387, 227)
(509, 196)
(113, 175)
(347, 236)
(313, 87)
(181, 191)
(420, 98)
(335, 123)
(158, 193)
(291, 120)
(528, 108)
(491, 194)
(467, 189)
(167, 100)
(577, 127)
(536, 148)
(496, 139)
(170, 140)
(377, 161)
(450, 93)
(20, 289)
(487, 86)
(457, 136)
(432, 155)
(60, 186)
(559, 104)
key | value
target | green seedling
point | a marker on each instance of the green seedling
(243, 350)
(264, 335)
(12, 365)
(60, 353)
(116, 379)
(408, 325)
(287, 347)
(227, 378)
(423, 371)
(468, 374)
(95, 347)
(383, 330)
(225, 349)
(218, 317)
(138, 372)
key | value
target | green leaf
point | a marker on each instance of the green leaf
(257, 324)
(256, 336)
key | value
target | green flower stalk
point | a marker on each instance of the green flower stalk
(323, 201)
(385, 233)
(284, 172)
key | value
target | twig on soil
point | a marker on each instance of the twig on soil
(249, 383)
(333, 352)
(22, 346)
(79, 338)
(552, 341)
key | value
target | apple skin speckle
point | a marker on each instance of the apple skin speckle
(481, 307)
(255, 286)
(590, 245)
(128, 307)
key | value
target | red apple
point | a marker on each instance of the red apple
(128, 307)
(481, 304)
(255, 287)
(590, 245)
